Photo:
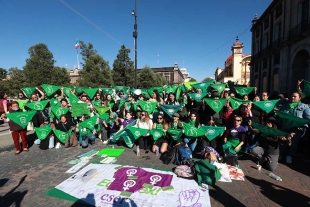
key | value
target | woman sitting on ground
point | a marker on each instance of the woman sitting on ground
(64, 125)
(86, 135)
(144, 122)
(161, 144)
(50, 138)
(268, 150)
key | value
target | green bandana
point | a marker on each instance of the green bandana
(293, 105)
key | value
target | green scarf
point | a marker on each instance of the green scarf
(293, 105)
(175, 125)
(159, 126)
(192, 122)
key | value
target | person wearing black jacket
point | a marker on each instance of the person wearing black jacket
(268, 150)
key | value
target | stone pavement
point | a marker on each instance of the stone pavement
(25, 178)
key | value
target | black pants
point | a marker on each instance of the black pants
(144, 141)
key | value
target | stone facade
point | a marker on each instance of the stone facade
(173, 74)
(281, 46)
(236, 66)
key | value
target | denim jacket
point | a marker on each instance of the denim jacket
(302, 110)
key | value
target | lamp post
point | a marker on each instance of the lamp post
(135, 36)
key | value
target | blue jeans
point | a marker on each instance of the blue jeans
(90, 138)
(192, 143)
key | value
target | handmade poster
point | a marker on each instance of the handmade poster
(90, 185)
(235, 173)
(224, 171)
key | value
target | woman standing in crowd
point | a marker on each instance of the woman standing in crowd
(300, 110)
(3, 103)
(17, 131)
(193, 121)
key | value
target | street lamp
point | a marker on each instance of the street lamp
(135, 36)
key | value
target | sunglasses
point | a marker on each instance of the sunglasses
(238, 120)
(129, 96)
(142, 114)
(159, 118)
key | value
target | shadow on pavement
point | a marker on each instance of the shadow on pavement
(222, 197)
(280, 195)
(12, 197)
(3, 182)
(117, 201)
(31, 138)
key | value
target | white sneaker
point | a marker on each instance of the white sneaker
(105, 142)
(288, 159)
(57, 145)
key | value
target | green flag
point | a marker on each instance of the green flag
(266, 106)
(21, 104)
(127, 136)
(102, 109)
(29, 91)
(306, 88)
(50, 89)
(268, 131)
(79, 90)
(90, 92)
(290, 121)
(107, 90)
(236, 103)
(79, 109)
(54, 102)
(183, 88)
(148, 106)
(244, 90)
(212, 131)
(67, 91)
(137, 132)
(216, 104)
(157, 133)
(58, 111)
(178, 93)
(37, 106)
(21, 118)
(43, 132)
(96, 103)
(104, 116)
(73, 99)
(170, 109)
(62, 136)
(89, 123)
(174, 133)
(191, 131)
(197, 96)
(123, 132)
(219, 87)
(203, 85)
(121, 102)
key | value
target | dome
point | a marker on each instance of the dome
(238, 43)
(229, 59)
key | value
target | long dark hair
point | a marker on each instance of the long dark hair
(197, 123)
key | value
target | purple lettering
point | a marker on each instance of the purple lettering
(105, 195)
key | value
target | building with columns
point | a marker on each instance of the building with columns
(236, 66)
(281, 46)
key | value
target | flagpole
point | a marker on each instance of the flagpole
(77, 54)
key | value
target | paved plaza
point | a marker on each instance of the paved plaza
(25, 178)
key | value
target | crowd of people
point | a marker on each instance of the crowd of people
(240, 133)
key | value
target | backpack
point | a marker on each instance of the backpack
(206, 173)
(183, 155)
(184, 171)
(170, 154)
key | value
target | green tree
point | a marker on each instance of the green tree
(17, 80)
(207, 79)
(39, 66)
(123, 68)
(60, 77)
(96, 71)
(146, 78)
(192, 80)
(3, 73)
(160, 80)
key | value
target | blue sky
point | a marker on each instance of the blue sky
(197, 34)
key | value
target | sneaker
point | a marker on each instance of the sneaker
(288, 159)
(57, 145)
(105, 142)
